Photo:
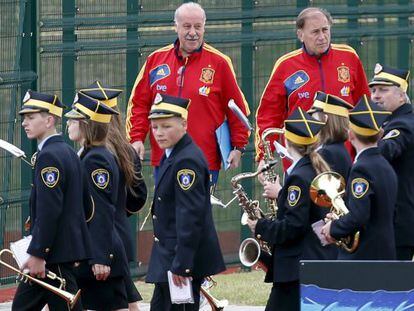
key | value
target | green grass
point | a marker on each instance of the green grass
(239, 288)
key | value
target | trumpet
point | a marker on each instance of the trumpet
(215, 304)
(326, 190)
(70, 298)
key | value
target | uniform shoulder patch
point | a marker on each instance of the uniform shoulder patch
(293, 195)
(100, 178)
(392, 134)
(296, 81)
(50, 176)
(186, 178)
(359, 187)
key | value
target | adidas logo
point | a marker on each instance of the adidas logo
(299, 80)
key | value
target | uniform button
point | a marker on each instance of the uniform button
(154, 217)
(159, 199)
(76, 264)
(187, 271)
(156, 239)
(47, 250)
(111, 256)
(259, 236)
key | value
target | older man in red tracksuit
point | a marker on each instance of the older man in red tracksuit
(192, 69)
(317, 66)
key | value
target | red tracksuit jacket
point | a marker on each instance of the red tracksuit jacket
(297, 76)
(207, 78)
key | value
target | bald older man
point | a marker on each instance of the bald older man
(192, 69)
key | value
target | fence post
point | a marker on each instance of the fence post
(132, 57)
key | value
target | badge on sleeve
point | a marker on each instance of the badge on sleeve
(185, 178)
(100, 178)
(392, 134)
(293, 195)
(50, 176)
(359, 187)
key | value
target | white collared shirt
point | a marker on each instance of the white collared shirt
(292, 166)
(42, 143)
(168, 152)
(361, 151)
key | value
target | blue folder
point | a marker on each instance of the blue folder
(224, 142)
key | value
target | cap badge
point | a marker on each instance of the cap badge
(157, 99)
(377, 69)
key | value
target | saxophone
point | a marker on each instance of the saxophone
(271, 174)
(250, 249)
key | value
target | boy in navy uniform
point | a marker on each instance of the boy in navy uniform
(389, 90)
(371, 188)
(59, 232)
(185, 239)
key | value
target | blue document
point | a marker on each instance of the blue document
(224, 142)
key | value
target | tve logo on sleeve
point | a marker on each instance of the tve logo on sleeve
(158, 73)
(295, 81)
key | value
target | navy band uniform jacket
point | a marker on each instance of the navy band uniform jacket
(58, 226)
(185, 239)
(291, 234)
(372, 193)
(397, 146)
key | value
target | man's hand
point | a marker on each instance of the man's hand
(36, 266)
(326, 232)
(139, 148)
(234, 158)
(271, 190)
(180, 280)
(101, 272)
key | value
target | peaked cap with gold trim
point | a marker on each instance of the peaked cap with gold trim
(367, 117)
(384, 75)
(330, 104)
(39, 102)
(85, 107)
(104, 94)
(301, 128)
(166, 106)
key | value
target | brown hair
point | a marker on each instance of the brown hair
(370, 139)
(94, 133)
(304, 14)
(318, 163)
(122, 150)
(335, 129)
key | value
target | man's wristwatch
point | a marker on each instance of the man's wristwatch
(241, 149)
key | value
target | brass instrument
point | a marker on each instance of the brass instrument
(326, 190)
(271, 174)
(71, 299)
(251, 210)
(215, 304)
